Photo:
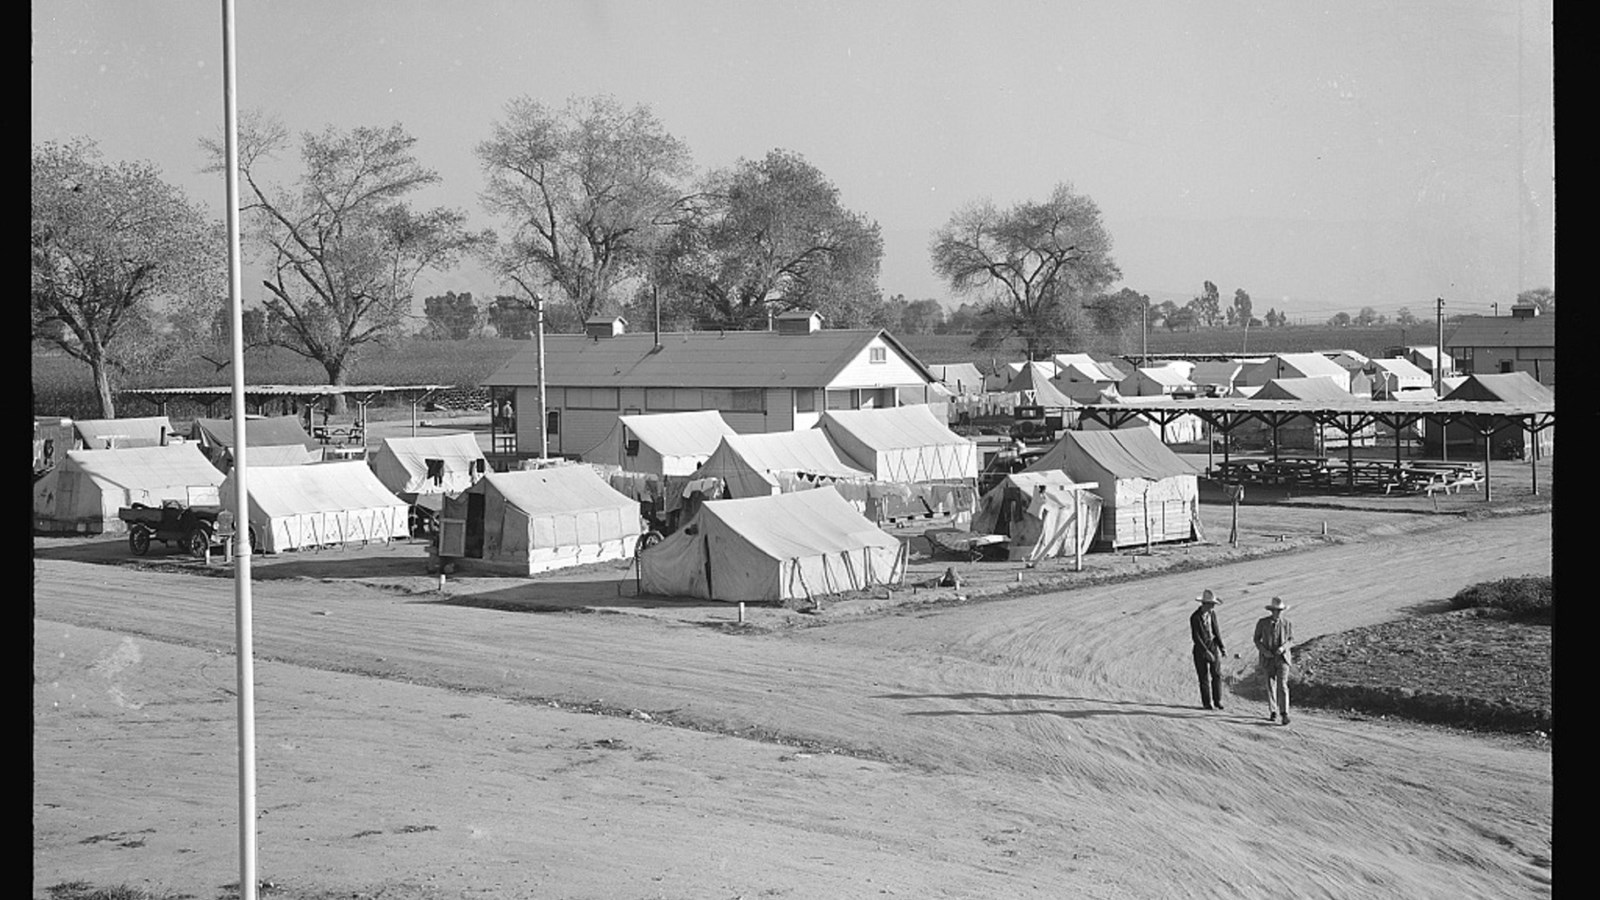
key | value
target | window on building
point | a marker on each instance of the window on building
(592, 398)
(660, 398)
(878, 354)
(842, 400)
(805, 401)
(1507, 365)
(553, 423)
(748, 400)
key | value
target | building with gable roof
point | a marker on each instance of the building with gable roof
(1524, 341)
(760, 381)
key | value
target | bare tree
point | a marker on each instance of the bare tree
(1034, 263)
(343, 247)
(114, 247)
(586, 193)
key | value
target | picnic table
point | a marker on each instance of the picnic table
(338, 435)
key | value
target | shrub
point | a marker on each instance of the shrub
(1526, 597)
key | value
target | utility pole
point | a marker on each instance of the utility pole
(1438, 353)
(544, 413)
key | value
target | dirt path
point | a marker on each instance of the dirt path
(1044, 746)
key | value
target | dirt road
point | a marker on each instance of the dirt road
(1048, 746)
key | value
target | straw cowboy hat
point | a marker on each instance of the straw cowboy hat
(1277, 603)
(1206, 596)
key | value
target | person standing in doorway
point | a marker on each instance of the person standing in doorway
(1274, 638)
(1208, 649)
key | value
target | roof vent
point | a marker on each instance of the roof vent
(604, 326)
(799, 321)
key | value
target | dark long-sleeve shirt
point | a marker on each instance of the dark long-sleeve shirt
(1203, 628)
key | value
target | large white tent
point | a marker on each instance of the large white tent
(905, 444)
(758, 465)
(321, 504)
(1044, 515)
(535, 520)
(432, 464)
(84, 491)
(1148, 493)
(273, 441)
(119, 434)
(773, 548)
(661, 444)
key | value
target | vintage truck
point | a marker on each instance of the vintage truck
(195, 529)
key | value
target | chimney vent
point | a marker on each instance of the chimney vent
(604, 326)
(799, 321)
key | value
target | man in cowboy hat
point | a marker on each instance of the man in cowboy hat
(1274, 637)
(1208, 650)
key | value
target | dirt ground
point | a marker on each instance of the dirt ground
(562, 737)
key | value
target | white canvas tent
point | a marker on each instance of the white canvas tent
(273, 441)
(536, 520)
(904, 444)
(1045, 515)
(773, 548)
(758, 465)
(661, 444)
(434, 464)
(119, 434)
(321, 504)
(85, 489)
(1148, 493)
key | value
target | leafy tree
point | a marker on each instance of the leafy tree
(1241, 306)
(452, 317)
(1034, 263)
(1164, 312)
(1208, 306)
(588, 192)
(1405, 319)
(921, 317)
(1366, 317)
(771, 233)
(114, 247)
(511, 317)
(343, 247)
(1542, 297)
(1339, 320)
(1184, 317)
(1116, 315)
(961, 320)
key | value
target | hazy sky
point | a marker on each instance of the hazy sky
(1321, 155)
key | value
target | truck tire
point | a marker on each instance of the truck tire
(197, 540)
(139, 540)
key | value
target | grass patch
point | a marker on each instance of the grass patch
(1483, 664)
(1529, 597)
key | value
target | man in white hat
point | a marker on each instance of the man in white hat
(1274, 637)
(1208, 650)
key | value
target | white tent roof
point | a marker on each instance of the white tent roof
(904, 443)
(742, 460)
(143, 468)
(804, 523)
(319, 487)
(558, 490)
(401, 463)
(1403, 369)
(142, 432)
(1124, 453)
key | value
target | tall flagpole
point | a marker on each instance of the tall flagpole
(241, 494)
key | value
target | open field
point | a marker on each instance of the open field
(562, 737)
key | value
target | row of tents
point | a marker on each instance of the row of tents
(776, 539)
